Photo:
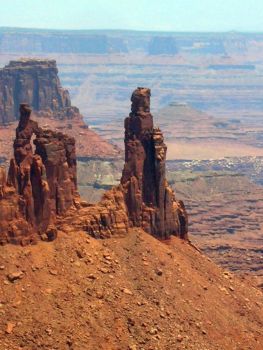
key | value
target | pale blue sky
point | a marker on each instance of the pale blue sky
(165, 15)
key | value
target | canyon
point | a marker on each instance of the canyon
(95, 279)
(224, 134)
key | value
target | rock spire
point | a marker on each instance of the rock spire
(150, 201)
(40, 193)
(40, 184)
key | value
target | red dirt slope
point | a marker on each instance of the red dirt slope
(124, 293)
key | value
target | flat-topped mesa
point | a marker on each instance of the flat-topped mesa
(36, 82)
(41, 185)
(150, 201)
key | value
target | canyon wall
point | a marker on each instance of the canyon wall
(101, 42)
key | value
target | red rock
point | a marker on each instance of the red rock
(41, 191)
(35, 82)
(144, 198)
(9, 327)
(12, 277)
(40, 185)
(150, 201)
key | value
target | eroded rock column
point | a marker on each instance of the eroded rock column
(150, 201)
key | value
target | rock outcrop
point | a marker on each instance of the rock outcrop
(35, 82)
(162, 46)
(41, 195)
(41, 185)
(106, 219)
(150, 201)
(13, 226)
(143, 199)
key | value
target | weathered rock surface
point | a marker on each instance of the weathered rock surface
(143, 198)
(13, 228)
(35, 82)
(106, 219)
(41, 189)
(40, 185)
(150, 201)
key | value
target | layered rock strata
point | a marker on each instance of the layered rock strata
(144, 198)
(35, 82)
(150, 201)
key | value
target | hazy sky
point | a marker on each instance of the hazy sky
(170, 15)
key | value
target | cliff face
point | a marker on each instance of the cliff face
(40, 185)
(35, 82)
(150, 201)
(14, 227)
(60, 42)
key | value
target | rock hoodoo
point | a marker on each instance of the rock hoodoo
(41, 189)
(40, 184)
(150, 201)
(35, 82)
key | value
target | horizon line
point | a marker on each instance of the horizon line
(233, 31)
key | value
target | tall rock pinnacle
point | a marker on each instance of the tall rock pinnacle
(150, 201)
(40, 184)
